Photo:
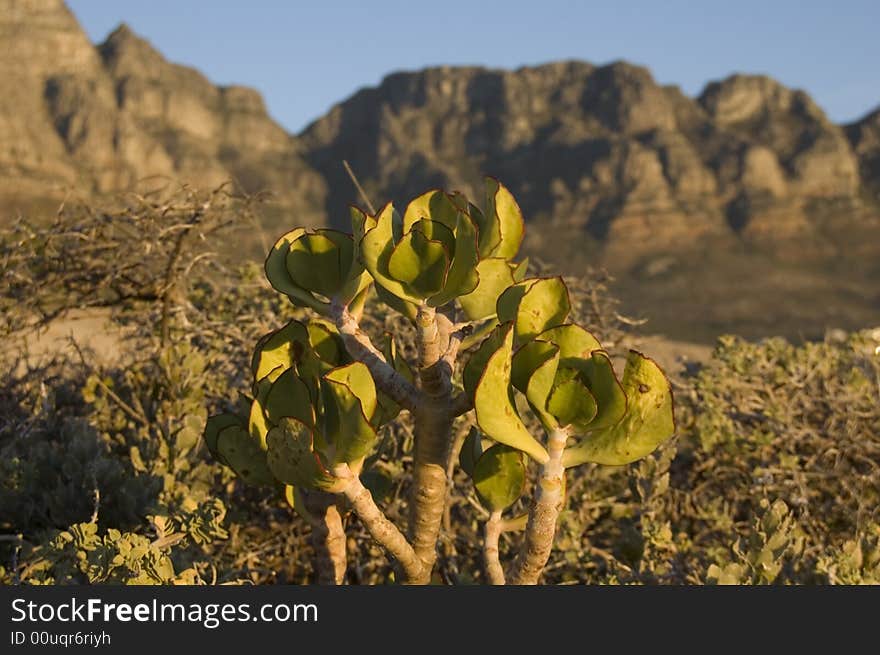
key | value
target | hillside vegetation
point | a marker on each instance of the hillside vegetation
(773, 476)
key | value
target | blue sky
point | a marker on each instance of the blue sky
(306, 56)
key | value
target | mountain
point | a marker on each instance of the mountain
(92, 120)
(606, 150)
(699, 205)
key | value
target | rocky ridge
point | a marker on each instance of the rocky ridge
(602, 151)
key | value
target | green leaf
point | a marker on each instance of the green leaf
(648, 422)
(507, 214)
(463, 277)
(471, 449)
(288, 397)
(535, 305)
(520, 270)
(387, 408)
(420, 264)
(212, 429)
(527, 359)
(292, 459)
(378, 482)
(534, 372)
(571, 403)
(499, 477)
(495, 276)
(258, 427)
(488, 231)
(606, 389)
(575, 343)
(478, 360)
(495, 411)
(376, 249)
(279, 277)
(283, 348)
(349, 403)
(244, 455)
(434, 205)
(436, 231)
(320, 261)
(326, 344)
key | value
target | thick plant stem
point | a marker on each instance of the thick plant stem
(359, 346)
(433, 437)
(491, 560)
(433, 425)
(328, 537)
(380, 528)
(541, 528)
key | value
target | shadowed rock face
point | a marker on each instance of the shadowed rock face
(603, 151)
(606, 149)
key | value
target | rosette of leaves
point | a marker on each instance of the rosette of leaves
(444, 248)
(567, 380)
(315, 267)
(312, 408)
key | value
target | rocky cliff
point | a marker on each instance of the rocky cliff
(89, 120)
(599, 151)
(607, 150)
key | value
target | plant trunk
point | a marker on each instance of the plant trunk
(433, 439)
(541, 528)
(491, 558)
(328, 537)
(433, 425)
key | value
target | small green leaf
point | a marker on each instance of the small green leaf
(488, 230)
(376, 249)
(471, 449)
(326, 344)
(258, 427)
(648, 421)
(434, 205)
(609, 394)
(501, 204)
(212, 429)
(534, 372)
(292, 459)
(279, 277)
(535, 304)
(320, 261)
(571, 403)
(495, 275)
(478, 360)
(575, 343)
(499, 477)
(282, 348)
(420, 264)
(495, 411)
(244, 455)
(288, 397)
(349, 403)
(463, 277)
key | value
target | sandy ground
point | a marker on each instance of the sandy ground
(91, 329)
(669, 353)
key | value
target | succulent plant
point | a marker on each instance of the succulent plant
(322, 390)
